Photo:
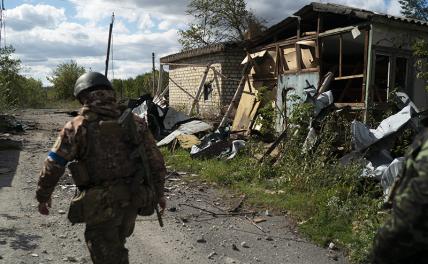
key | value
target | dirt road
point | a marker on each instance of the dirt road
(198, 227)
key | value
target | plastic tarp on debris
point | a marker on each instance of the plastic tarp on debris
(363, 137)
(189, 128)
(385, 173)
(323, 100)
(390, 174)
(236, 146)
(173, 117)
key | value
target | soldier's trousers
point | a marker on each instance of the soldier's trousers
(106, 241)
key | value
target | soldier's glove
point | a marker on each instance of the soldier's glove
(43, 207)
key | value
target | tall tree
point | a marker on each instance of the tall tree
(418, 9)
(9, 76)
(414, 9)
(64, 77)
(217, 21)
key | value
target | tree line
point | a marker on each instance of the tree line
(19, 91)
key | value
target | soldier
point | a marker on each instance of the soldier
(105, 169)
(404, 236)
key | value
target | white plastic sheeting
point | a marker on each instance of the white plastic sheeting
(173, 117)
(390, 174)
(141, 110)
(236, 146)
(385, 173)
(364, 137)
(323, 100)
(189, 128)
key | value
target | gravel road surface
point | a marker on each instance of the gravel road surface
(198, 225)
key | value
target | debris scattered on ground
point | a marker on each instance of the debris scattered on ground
(244, 244)
(212, 254)
(235, 247)
(201, 240)
(8, 123)
(190, 128)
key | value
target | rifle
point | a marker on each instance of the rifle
(127, 122)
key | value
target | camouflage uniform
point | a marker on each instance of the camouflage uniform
(105, 236)
(404, 237)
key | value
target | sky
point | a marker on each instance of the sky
(46, 33)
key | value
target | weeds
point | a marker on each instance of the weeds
(328, 200)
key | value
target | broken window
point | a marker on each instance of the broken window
(381, 80)
(400, 73)
(290, 56)
(307, 50)
(343, 54)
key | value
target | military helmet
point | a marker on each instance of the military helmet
(91, 81)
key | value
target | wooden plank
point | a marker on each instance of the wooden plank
(217, 85)
(158, 90)
(366, 56)
(354, 106)
(181, 88)
(238, 92)
(200, 88)
(349, 77)
(340, 54)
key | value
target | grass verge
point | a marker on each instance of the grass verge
(329, 201)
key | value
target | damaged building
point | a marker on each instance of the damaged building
(203, 80)
(364, 55)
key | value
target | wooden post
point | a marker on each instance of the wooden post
(340, 54)
(238, 92)
(160, 80)
(217, 85)
(200, 88)
(108, 44)
(366, 59)
(153, 74)
(164, 92)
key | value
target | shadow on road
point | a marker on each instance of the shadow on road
(9, 160)
(18, 241)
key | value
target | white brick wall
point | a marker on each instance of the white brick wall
(189, 78)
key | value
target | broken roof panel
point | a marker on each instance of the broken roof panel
(290, 23)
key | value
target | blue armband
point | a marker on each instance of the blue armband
(58, 159)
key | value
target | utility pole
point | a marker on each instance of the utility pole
(109, 42)
(153, 74)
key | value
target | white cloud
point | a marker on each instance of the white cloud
(44, 37)
(26, 16)
(394, 8)
(132, 11)
(164, 25)
(275, 11)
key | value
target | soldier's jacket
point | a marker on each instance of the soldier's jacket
(73, 142)
(404, 237)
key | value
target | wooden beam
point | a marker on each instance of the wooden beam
(158, 90)
(217, 85)
(366, 56)
(200, 88)
(181, 88)
(349, 77)
(340, 54)
(238, 91)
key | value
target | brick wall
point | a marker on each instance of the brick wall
(189, 78)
